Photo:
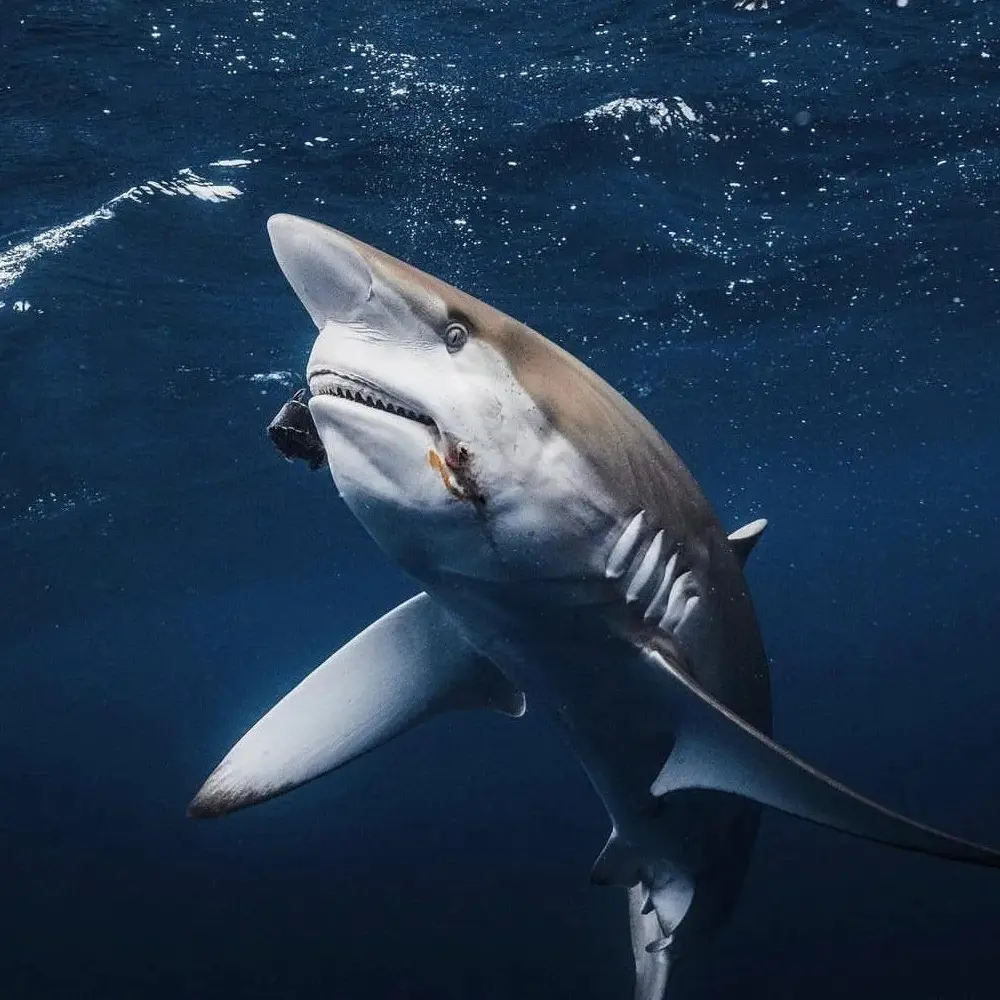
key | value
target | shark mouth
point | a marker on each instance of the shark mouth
(326, 382)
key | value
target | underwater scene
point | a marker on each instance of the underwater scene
(504, 326)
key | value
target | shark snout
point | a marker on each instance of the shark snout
(324, 268)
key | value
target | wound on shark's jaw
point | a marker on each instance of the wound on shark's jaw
(456, 475)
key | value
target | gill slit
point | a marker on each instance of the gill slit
(654, 580)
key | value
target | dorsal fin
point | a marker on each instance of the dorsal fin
(744, 539)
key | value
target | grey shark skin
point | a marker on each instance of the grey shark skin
(569, 562)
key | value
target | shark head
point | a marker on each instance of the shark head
(443, 419)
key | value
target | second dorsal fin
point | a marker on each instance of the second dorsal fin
(744, 539)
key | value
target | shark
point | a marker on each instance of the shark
(567, 560)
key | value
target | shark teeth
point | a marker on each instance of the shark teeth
(331, 383)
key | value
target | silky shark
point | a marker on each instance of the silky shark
(569, 561)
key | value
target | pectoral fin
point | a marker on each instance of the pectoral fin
(715, 749)
(408, 666)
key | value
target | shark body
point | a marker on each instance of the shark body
(568, 562)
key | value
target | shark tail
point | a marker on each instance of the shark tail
(650, 945)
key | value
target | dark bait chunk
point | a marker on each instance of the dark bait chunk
(294, 434)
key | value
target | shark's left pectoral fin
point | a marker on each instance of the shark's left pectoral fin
(716, 749)
(408, 666)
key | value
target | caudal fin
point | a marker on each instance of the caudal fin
(649, 947)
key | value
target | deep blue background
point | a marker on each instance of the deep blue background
(799, 286)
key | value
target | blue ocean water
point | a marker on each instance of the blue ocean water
(775, 231)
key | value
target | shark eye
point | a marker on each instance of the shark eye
(455, 336)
